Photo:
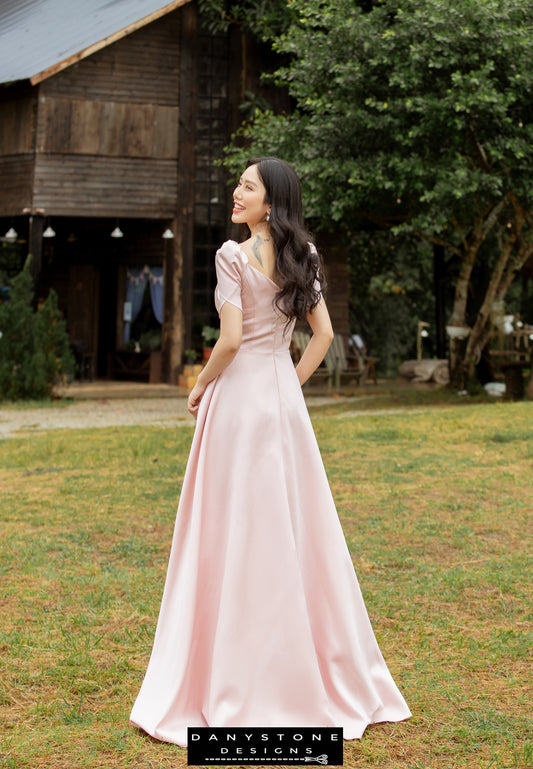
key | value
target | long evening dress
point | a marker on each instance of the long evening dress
(262, 621)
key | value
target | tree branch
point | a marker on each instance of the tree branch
(490, 220)
(474, 346)
(459, 231)
(524, 252)
(484, 162)
(439, 242)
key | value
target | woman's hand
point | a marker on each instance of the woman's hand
(195, 396)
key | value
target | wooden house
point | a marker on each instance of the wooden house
(110, 126)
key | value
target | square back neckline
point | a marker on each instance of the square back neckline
(256, 269)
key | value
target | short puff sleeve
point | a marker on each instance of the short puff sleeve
(228, 264)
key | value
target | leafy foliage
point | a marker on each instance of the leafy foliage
(415, 117)
(391, 290)
(406, 115)
(34, 346)
(265, 19)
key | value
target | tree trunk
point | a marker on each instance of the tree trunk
(478, 335)
(516, 264)
(461, 366)
(458, 319)
(458, 372)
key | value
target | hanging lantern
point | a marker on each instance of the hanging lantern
(11, 235)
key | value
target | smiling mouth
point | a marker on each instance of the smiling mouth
(237, 207)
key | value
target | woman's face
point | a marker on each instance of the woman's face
(249, 205)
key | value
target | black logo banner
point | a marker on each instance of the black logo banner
(257, 745)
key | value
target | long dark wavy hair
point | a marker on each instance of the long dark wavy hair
(298, 265)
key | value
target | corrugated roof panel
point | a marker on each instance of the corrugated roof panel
(38, 35)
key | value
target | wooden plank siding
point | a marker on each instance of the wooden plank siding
(18, 125)
(16, 175)
(18, 108)
(142, 68)
(112, 129)
(106, 137)
(87, 185)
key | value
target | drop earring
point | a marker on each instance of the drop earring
(268, 217)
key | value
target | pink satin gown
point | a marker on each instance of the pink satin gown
(262, 621)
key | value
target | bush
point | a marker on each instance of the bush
(34, 345)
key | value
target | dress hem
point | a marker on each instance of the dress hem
(355, 736)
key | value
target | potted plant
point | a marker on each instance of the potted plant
(210, 336)
(191, 369)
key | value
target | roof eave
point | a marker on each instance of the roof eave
(85, 52)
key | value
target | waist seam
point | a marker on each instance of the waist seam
(284, 351)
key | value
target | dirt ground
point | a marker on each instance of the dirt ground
(109, 404)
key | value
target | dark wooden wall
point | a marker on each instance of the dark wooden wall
(18, 110)
(337, 292)
(102, 134)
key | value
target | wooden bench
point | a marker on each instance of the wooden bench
(337, 364)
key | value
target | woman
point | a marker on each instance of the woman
(262, 621)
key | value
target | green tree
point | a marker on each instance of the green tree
(391, 282)
(34, 346)
(416, 116)
(264, 19)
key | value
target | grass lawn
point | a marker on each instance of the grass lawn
(436, 504)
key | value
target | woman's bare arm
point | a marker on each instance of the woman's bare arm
(224, 351)
(321, 340)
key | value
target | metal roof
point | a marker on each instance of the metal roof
(40, 37)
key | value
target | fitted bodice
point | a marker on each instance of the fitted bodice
(264, 327)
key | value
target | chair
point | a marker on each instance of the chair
(338, 362)
(335, 365)
(360, 360)
(355, 366)
(299, 341)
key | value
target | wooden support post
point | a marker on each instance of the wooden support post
(179, 261)
(173, 318)
(36, 247)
